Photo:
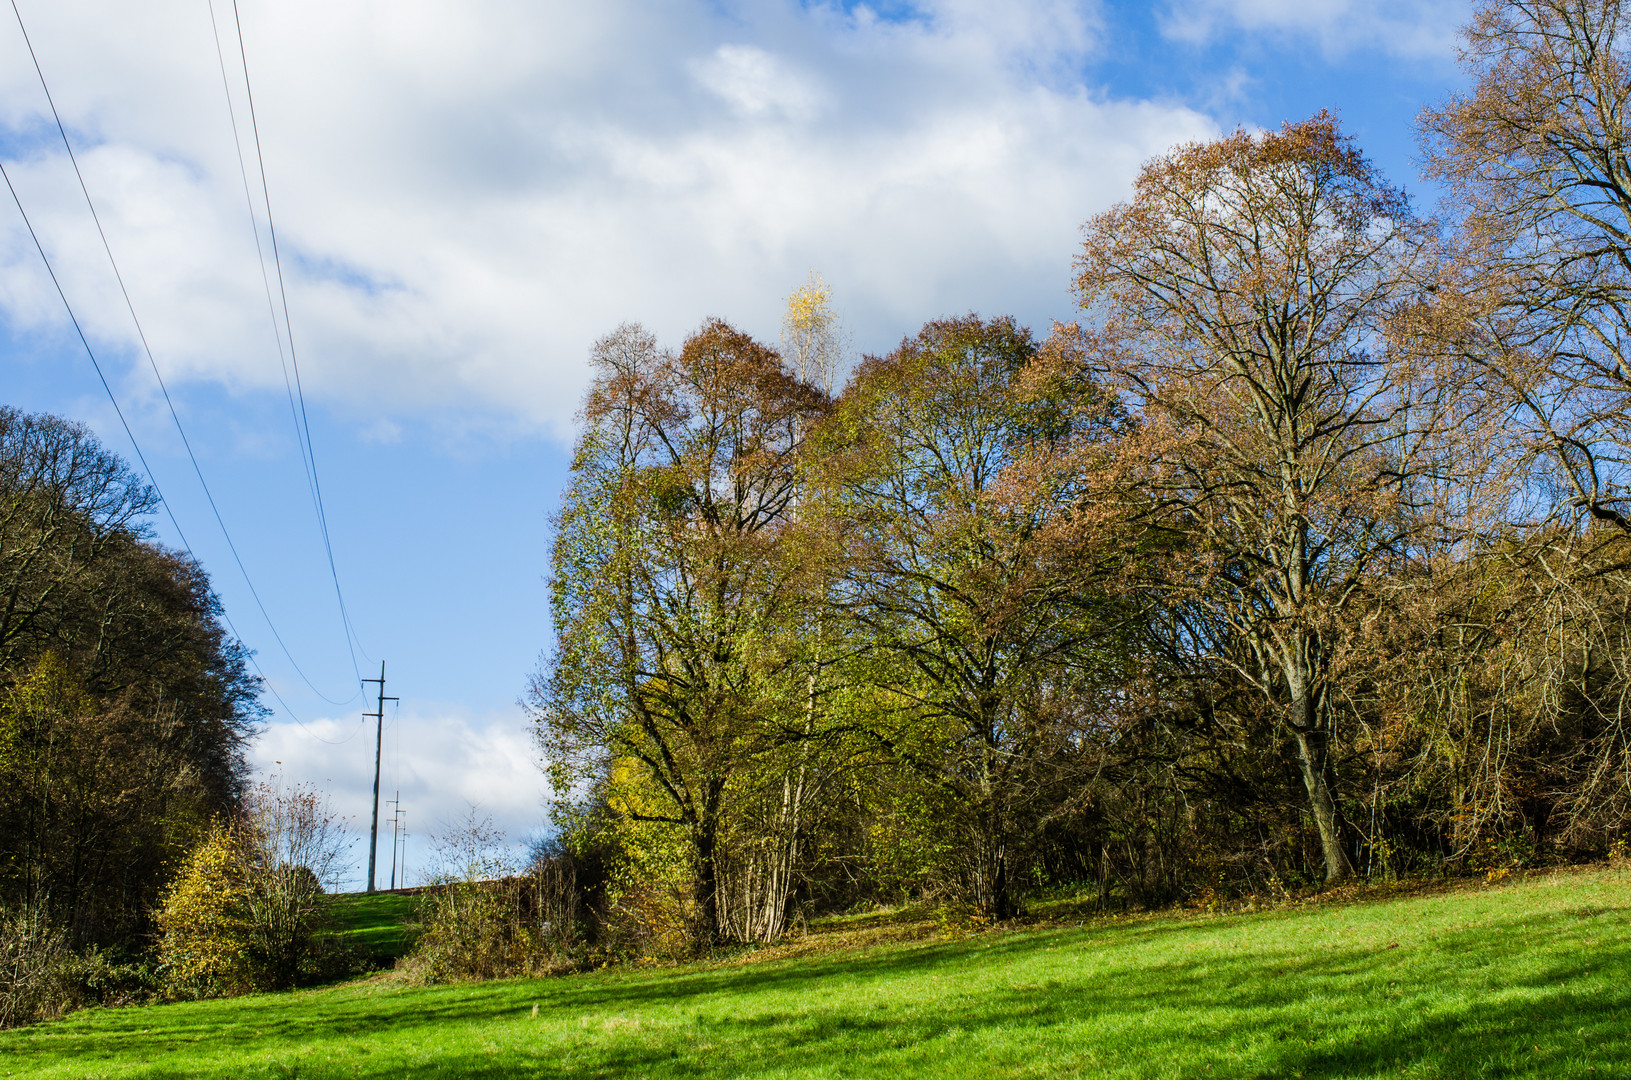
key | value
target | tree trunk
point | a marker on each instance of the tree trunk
(986, 872)
(1311, 757)
(706, 928)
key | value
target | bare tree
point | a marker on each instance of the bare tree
(291, 845)
(1537, 154)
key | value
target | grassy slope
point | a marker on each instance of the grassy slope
(1531, 979)
(374, 922)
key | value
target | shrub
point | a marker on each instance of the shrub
(477, 924)
(34, 955)
(204, 921)
(247, 909)
(474, 930)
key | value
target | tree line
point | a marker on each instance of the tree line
(1302, 554)
(125, 706)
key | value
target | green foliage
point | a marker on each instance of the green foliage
(1525, 981)
(650, 904)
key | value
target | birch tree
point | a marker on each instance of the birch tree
(669, 585)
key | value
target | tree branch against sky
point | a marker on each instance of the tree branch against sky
(1538, 153)
(472, 194)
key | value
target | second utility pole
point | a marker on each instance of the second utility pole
(379, 735)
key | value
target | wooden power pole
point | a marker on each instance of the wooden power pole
(379, 736)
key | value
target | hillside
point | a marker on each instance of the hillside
(1529, 978)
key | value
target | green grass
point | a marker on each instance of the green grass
(373, 921)
(1526, 979)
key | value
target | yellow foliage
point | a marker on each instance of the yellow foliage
(48, 694)
(204, 921)
(808, 308)
(649, 892)
(811, 342)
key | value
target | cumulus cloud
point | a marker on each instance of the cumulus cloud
(443, 763)
(469, 193)
(1415, 29)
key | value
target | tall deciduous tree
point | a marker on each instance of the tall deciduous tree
(64, 499)
(669, 585)
(1240, 300)
(124, 705)
(979, 641)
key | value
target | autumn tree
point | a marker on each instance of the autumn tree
(672, 594)
(246, 907)
(1535, 154)
(1240, 301)
(64, 500)
(812, 341)
(978, 636)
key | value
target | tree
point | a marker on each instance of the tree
(670, 589)
(812, 342)
(292, 845)
(1537, 154)
(1241, 300)
(980, 640)
(64, 500)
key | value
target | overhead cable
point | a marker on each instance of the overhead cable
(288, 330)
(136, 446)
(148, 351)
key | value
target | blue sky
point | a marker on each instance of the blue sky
(469, 192)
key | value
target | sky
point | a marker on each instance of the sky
(468, 193)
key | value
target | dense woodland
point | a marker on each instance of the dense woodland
(1302, 554)
(124, 705)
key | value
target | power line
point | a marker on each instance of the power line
(288, 329)
(136, 446)
(147, 349)
(260, 256)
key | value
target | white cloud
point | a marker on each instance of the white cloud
(756, 84)
(469, 193)
(1416, 29)
(443, 763)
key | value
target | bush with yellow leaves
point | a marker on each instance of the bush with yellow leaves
(204, 950)
(247, 909)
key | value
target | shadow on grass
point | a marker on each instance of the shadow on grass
(1537, 995)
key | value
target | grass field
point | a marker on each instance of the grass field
(1529, 979)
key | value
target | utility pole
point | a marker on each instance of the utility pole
(404, 814)
(396, 829)
(379, 737)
